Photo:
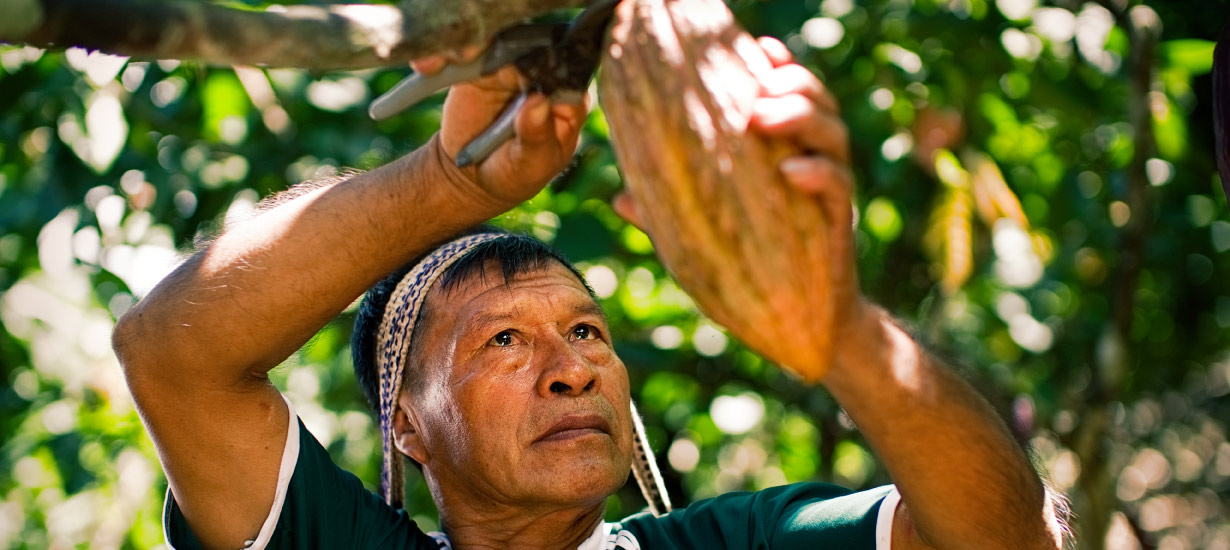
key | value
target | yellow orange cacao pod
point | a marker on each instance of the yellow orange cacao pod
(678, 85)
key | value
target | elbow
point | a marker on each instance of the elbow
(126, 342)
(1049, 530)
(1056, 514)
(123, 335)
(142, 355)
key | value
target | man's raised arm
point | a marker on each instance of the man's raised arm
(196, 351)
(963, 480)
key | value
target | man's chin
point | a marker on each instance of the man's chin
(582, 479)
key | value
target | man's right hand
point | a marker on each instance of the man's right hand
(545, 139)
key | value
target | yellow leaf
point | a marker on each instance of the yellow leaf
(949, 239)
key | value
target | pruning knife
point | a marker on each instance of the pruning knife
(556, 59)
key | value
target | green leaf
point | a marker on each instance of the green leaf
(1193, 54)
(1170, 129)
(583, 237)
(883, 220)
(223, 97)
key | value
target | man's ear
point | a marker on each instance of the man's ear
(407, 430)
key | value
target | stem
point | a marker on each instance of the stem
(326, 37)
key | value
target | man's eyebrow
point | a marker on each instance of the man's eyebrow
(487, 318)
(590, 308)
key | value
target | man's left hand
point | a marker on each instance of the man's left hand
(794, 105)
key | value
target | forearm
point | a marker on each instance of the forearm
(964, 479)
(267, 285)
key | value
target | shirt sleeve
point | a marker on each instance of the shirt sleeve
(803, 516)
(317, 505)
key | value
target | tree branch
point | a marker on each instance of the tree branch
(330, 37)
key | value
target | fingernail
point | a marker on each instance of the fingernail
(768, 111)
(795, 167)
(540, 113)
(469, 53)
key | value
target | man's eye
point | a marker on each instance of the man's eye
(503, 339)
(584, 332)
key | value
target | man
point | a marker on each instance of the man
(512, 399)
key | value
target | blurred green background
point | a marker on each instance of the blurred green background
(1011, 209)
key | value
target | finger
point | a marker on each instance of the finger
(435, 63)
(533, 122)
(629, 210)
(796, 79)
(429, 65)
(815, 174)
(829, 181)
(470, 108)
(466, 54)
(506, 80)
(795, 117)
(569, 118)
(777, 52)
(482, 98)
(532, 154)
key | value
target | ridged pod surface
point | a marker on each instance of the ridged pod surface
(678, 85)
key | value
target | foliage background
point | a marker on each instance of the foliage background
(1000, 212)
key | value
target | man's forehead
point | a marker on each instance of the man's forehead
(488, 294)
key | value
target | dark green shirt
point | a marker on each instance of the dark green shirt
(319, 505)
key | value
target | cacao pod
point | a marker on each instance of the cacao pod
(678, 85)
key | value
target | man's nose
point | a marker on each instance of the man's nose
(567, 372)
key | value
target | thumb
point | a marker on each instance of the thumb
(829, 182)
(629, 210)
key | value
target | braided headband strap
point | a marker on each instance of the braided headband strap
(645, 468)
(393, 343)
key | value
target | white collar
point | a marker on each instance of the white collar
(596, 541)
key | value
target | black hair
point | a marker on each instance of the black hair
(515, 253)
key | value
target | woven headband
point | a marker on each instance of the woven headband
(393, 345)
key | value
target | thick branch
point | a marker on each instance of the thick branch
(311, 37)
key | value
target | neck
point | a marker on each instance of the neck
(516, 527)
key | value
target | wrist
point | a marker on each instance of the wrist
(463, 182)
(864, 340)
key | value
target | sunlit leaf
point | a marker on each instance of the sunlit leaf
(1193, 54)
(949, 236)
(1170, 127)
(882, 218)
(225, 105)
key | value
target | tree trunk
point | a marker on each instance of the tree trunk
(324, 37)
(1115, 359)
(677, 88)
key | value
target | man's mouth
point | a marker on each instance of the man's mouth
(575, 427)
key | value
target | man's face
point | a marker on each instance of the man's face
(524, 401)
